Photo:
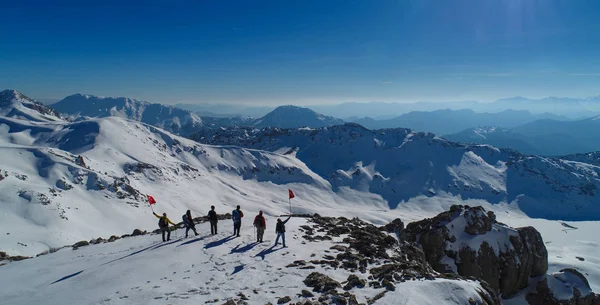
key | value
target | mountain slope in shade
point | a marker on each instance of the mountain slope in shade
(495, 136)
(170, 118)
(294, 117)
(542, 137)
(14, 104)
(399, 164)
(441, 122)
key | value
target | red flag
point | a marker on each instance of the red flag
(291, 194)
(151, 200)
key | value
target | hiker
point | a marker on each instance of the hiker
(212, 217)
(261, 224)
(163, 224)
(188, 222)
(236, 216)
(280, 230)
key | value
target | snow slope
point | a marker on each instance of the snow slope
(198, 270)
(400, 164)
(170, 118)
(65, 182)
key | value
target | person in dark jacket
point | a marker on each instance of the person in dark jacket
(280, 230)
(236, 216)
(261, 224)
(188, 222)
(212, 217)
(163, 225)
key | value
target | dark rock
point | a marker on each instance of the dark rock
(478, 222)
(229, 302)
(376, 297)
(137, 232)
(284, 300)
(388, 285)
(339, 248)
(113, 238)
(580, 258)
(307, 294)
(82, 243)
(354, 281)
(391, 227)
(320, 282)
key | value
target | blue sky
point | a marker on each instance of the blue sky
(301, 52)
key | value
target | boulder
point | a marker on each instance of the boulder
(320, 282)
(354, 281)
(137, 232)
(284, 300)
(82, 243)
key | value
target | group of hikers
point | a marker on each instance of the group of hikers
(260, 224)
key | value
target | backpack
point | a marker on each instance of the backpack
(162, 222)
(235, 215)
(185, 219)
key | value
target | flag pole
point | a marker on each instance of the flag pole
(290, 201)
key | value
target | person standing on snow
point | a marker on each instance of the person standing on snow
(163, 224)
(261, 224)
(213, 219)
(280, 230)
(236, 216)
(188, 222)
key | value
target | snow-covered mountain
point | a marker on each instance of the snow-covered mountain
(170, 118)
(539, 137)
(14, 104)
(399, 164)
(295, 117)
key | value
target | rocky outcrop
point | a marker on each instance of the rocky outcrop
(470, 242)
(566, 287)
(373, 257)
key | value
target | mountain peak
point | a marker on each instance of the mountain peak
(11, 94)
(290, 116)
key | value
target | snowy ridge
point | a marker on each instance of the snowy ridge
(167, 117)
(79, 180)
(399, 164)
(14, 104)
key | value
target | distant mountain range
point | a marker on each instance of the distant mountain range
(451, 121)
(527, 132)
(184, 122)
(542, 137)
(573, 108)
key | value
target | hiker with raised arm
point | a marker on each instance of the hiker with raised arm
(213, 219)
(236, 216)
(188, 222)
(280, 230)
(261, 224)
(163, 225)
